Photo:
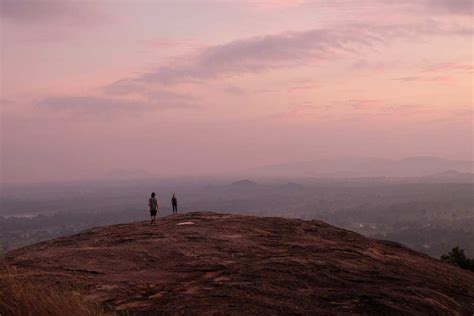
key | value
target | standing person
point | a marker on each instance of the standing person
(174, 203)
(154, 207)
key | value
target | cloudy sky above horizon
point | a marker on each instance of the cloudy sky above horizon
(209, 87)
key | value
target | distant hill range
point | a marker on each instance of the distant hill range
(219, 264)
(367, 167)
(450, 176)
(244, 183)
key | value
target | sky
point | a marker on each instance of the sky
(210, 87)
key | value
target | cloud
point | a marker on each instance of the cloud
(450, 67)
(462, 7)
(443, 73)
(273, 4)
(97, 105)
(170, 43)
(288, 49)
(408, 78)
(429, 7)
(300, 111)
(5, 102)
(259, 54)
(444, 80)
(252, 55)
(362, 109)
(230, 89)
(122, 87)
(303, 86)
(168, 99)
(89, 104)
(360, 103)
(69, 12)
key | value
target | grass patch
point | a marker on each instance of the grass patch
(19, 296)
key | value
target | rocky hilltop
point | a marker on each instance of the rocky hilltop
(217, 264)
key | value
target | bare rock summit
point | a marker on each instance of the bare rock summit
(218, 264)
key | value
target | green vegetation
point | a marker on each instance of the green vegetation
(457, 257)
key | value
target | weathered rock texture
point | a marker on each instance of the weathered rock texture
(217, 264)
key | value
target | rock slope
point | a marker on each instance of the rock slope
(218, 264)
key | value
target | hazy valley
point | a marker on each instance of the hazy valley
(431, 214)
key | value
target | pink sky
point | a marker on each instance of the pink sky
(208, 87)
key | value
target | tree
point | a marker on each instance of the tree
(457, 257)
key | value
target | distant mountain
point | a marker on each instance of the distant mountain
(220, 264)
(451, 176)
(365, 167)
(292, 185)
(244, 183)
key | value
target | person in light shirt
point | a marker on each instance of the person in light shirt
(154, 207)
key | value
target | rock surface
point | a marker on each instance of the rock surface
(216, 264)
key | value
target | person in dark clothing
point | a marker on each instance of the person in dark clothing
(154, 207)
(174, 203)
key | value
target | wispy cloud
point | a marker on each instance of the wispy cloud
(259, 54)
(352, 108)
(303, 86)
(272, 4)
(67, 12)
(252, 55)
(408, 78)
(463, 7)
(443, 73)
(4, 101)
(450, 67)
(458, 7)
(97, 105)
(425, 7)
(445, 80)
(90, 104)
